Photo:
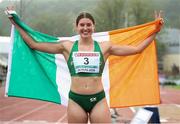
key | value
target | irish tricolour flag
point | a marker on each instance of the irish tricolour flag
(128, 80)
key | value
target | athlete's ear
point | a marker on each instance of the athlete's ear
(94, 28)
(75, 29)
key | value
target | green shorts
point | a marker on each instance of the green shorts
(87, 102)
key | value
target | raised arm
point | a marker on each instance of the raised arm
(130, 50)
(44, 47)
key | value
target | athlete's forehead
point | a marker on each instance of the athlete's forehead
(85, 20)
(84, 15)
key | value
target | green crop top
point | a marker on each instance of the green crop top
(85, 74)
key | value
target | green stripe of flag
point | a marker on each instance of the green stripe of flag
(33, 73)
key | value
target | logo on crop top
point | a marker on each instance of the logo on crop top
(93, 99)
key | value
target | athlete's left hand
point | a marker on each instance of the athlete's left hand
(158, 16)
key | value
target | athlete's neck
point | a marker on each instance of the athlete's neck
(86, 41)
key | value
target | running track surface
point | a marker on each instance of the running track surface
(18, 110)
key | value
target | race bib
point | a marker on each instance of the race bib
(86, 62)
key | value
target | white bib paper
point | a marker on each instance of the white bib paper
(86, 62)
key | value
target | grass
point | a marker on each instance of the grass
(174, 86)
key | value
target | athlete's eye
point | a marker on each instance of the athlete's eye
(89, 24)
(81, 24)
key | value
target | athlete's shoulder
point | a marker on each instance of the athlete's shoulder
(105, 44)
(67, 44)
(65, 41)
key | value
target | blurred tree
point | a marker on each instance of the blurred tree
(161, 50)
(142, 11)
(175, 70)
(22, 7)
(172, 9)
(56, 16)
(109, 15)
(56, 24)
(119, 13)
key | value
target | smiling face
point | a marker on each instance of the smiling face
(85, 27)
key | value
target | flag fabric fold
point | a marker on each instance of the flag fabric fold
(128, 80)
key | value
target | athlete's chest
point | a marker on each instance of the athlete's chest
(86, 61)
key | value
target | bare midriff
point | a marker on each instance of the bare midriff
(86, 85)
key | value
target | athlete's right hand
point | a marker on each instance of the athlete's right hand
(8, 10)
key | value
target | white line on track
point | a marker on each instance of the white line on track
(133, 109)
(63, 117)
(23, 115)
(177, 105)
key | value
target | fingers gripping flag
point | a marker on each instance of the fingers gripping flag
(128, 80)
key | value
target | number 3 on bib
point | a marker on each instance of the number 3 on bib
(86, 62)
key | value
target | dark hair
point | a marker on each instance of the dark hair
(84, 15)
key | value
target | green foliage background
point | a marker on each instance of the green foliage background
(57, 17)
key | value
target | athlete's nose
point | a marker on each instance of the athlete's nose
(85, 27)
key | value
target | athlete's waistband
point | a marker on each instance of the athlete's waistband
(72, 92)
